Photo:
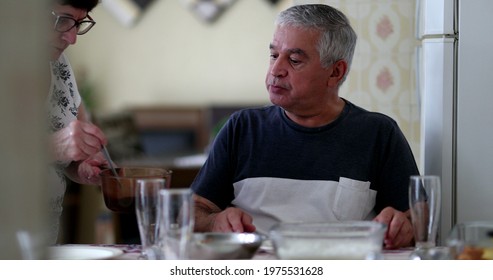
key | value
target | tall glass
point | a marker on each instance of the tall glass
(146, 209)
(176, 222)
(425, 205)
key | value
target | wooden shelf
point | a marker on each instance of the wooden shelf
(194, 119)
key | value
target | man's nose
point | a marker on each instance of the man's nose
(278, 68)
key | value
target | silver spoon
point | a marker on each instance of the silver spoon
(110, 163)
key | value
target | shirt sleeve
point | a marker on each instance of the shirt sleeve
(397, 167)
(214, 180)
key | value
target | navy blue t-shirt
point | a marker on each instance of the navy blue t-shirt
(265, 143)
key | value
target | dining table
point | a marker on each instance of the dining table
(133, 252)
(123, 261)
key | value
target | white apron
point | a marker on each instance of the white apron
(271, 200)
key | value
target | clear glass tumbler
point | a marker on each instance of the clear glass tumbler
(176, 222)
(146, 209)
(425, 205)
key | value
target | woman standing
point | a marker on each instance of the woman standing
(75, 142)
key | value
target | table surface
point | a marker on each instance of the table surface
(132, 252)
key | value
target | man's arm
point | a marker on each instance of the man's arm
(205, 213)
(210, 218)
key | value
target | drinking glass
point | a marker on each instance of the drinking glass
(146, 209)
(176, 222)
(425, 204)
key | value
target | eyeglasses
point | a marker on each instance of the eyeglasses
(65, 23)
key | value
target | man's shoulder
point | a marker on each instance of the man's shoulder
(370, 116)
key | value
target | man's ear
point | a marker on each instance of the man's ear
(339, 69)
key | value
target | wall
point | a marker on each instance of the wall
(170, 57)
(382, 77)
(24, 73)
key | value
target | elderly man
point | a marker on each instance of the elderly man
(312, 156)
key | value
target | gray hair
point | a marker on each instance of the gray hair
(337, 40)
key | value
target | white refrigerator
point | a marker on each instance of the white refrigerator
(455, 78)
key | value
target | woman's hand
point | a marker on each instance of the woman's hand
(77, 142)
(87, 172)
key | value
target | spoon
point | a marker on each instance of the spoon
(110, 163)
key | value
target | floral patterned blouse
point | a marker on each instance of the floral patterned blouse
(63, 104)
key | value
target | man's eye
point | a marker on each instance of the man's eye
(273, 56)
(294, 61)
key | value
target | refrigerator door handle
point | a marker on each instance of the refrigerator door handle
(418, 24)
(418, 71)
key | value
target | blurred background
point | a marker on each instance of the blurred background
(160, 77)
(165, 55)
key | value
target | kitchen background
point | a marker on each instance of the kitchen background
(167, 55)
(163, 54)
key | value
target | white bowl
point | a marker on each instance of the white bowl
(337, 240)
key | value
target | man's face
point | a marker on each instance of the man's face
(296, 80)
(60, 41)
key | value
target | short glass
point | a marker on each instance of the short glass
(471, 240)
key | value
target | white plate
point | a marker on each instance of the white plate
(82, 252)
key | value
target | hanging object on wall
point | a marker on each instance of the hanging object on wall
(127, 12)
(273, 2)
(207, 10)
